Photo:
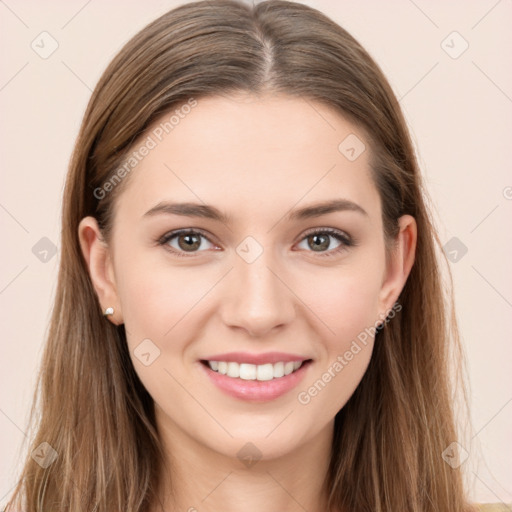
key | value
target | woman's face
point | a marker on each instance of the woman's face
(258, 282)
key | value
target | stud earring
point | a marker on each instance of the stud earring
(108, 311)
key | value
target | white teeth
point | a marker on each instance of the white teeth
(248, 371)
(279, 370)
(254, 372)
(265, 372)
(233, 370)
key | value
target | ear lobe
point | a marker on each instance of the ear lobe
(98, 258)
(400, 264)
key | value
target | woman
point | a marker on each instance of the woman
(249, 309)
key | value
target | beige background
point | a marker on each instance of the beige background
(459, 110)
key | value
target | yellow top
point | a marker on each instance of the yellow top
(494, 507)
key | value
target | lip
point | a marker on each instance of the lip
(264, 358)
(254, 390)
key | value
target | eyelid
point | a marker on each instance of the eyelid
(183, 231)
(330, 231)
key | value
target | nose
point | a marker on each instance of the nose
(257, 298)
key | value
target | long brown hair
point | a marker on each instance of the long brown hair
(94, 411)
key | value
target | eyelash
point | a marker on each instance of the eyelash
(346, 241)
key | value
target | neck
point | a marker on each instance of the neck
(200, 479)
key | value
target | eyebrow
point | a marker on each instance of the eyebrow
(211, 212)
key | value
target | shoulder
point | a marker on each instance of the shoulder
(493, 507)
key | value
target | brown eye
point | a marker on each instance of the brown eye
(188, 241)
(320, 241)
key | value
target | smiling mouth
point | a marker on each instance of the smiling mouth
(255, 372)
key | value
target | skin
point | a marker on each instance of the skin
(256, 159)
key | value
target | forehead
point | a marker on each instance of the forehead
(252, 154)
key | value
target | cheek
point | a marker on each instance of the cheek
(348, 307)
(162, 306)
(154, 302)
(346, 302)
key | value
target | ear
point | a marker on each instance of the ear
(99, 262)
(399, 265)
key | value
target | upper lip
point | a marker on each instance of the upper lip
(264, 358)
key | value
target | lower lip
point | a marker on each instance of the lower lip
(256, 390)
